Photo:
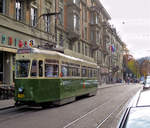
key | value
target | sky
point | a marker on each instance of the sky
(131, 18)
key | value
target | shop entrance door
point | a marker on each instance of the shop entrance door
(1, 67)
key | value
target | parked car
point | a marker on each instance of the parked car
(141, 82)
(146, 84)
(137, 114)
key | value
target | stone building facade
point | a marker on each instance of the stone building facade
(77, 27)
(19, 24)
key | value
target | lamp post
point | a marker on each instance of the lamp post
(47, 14)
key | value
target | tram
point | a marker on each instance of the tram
(50, 77)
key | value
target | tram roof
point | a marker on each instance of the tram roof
(42, 51)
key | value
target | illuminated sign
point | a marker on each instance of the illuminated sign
(3, 39)
(31, 43)
(15, 42)
(20, 44)
(10, 40)
(24, 51)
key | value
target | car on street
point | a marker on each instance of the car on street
(137, 114)
(146, 84)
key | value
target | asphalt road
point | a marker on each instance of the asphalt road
(100, 111)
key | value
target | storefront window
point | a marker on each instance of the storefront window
(22, 68)
(1, 67)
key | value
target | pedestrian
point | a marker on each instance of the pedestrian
(128, 80)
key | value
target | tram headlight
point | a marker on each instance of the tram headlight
(20, 90)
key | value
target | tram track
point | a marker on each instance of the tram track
(111, 114)
(16, 112)
(94, 110)
(117, 109)
(99, 114)
(68, 125)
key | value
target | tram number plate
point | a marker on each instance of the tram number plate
(20, 95)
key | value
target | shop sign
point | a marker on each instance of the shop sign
(3, 39)
(31, 43)
(20, 44)
(15, 41)
(10, 40)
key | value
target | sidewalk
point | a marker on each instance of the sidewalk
(10, 102)
(109, 85)
(6, 103)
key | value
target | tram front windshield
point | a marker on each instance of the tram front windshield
(22, 68)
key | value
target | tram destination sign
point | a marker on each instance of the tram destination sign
(23, 51)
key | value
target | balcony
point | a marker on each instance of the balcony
(94, 9)
(95, 25)
(84, 2)
(99, 61)
(73, 4)
(73, 35)
(95, 46)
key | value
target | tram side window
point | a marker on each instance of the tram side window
(95, 73)
(51, 70)
(70, 69)
(76, 71)
(34, 68)
(22, 68)
(40, 68)
(89, 74)
(84, 72)
(64, 70)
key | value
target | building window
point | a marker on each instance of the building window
(96, 19)
(92, 35)
(70, 46)
(97, 36)
(85, 32)
(62, 1)
(76, 21)
(83, 48)
(60, 16)
(47, 23)
(19, 10)
(61, 40)
(92, 18)
(33, 16)
(61, 9)
(78, 47)
(84, 14)
(77, 2)
(2, 6)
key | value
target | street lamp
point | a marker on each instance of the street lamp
(47, 14)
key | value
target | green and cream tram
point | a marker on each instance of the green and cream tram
(44, 76)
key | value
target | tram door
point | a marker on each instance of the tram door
(1, 67)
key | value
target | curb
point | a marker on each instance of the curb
(5, 108)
